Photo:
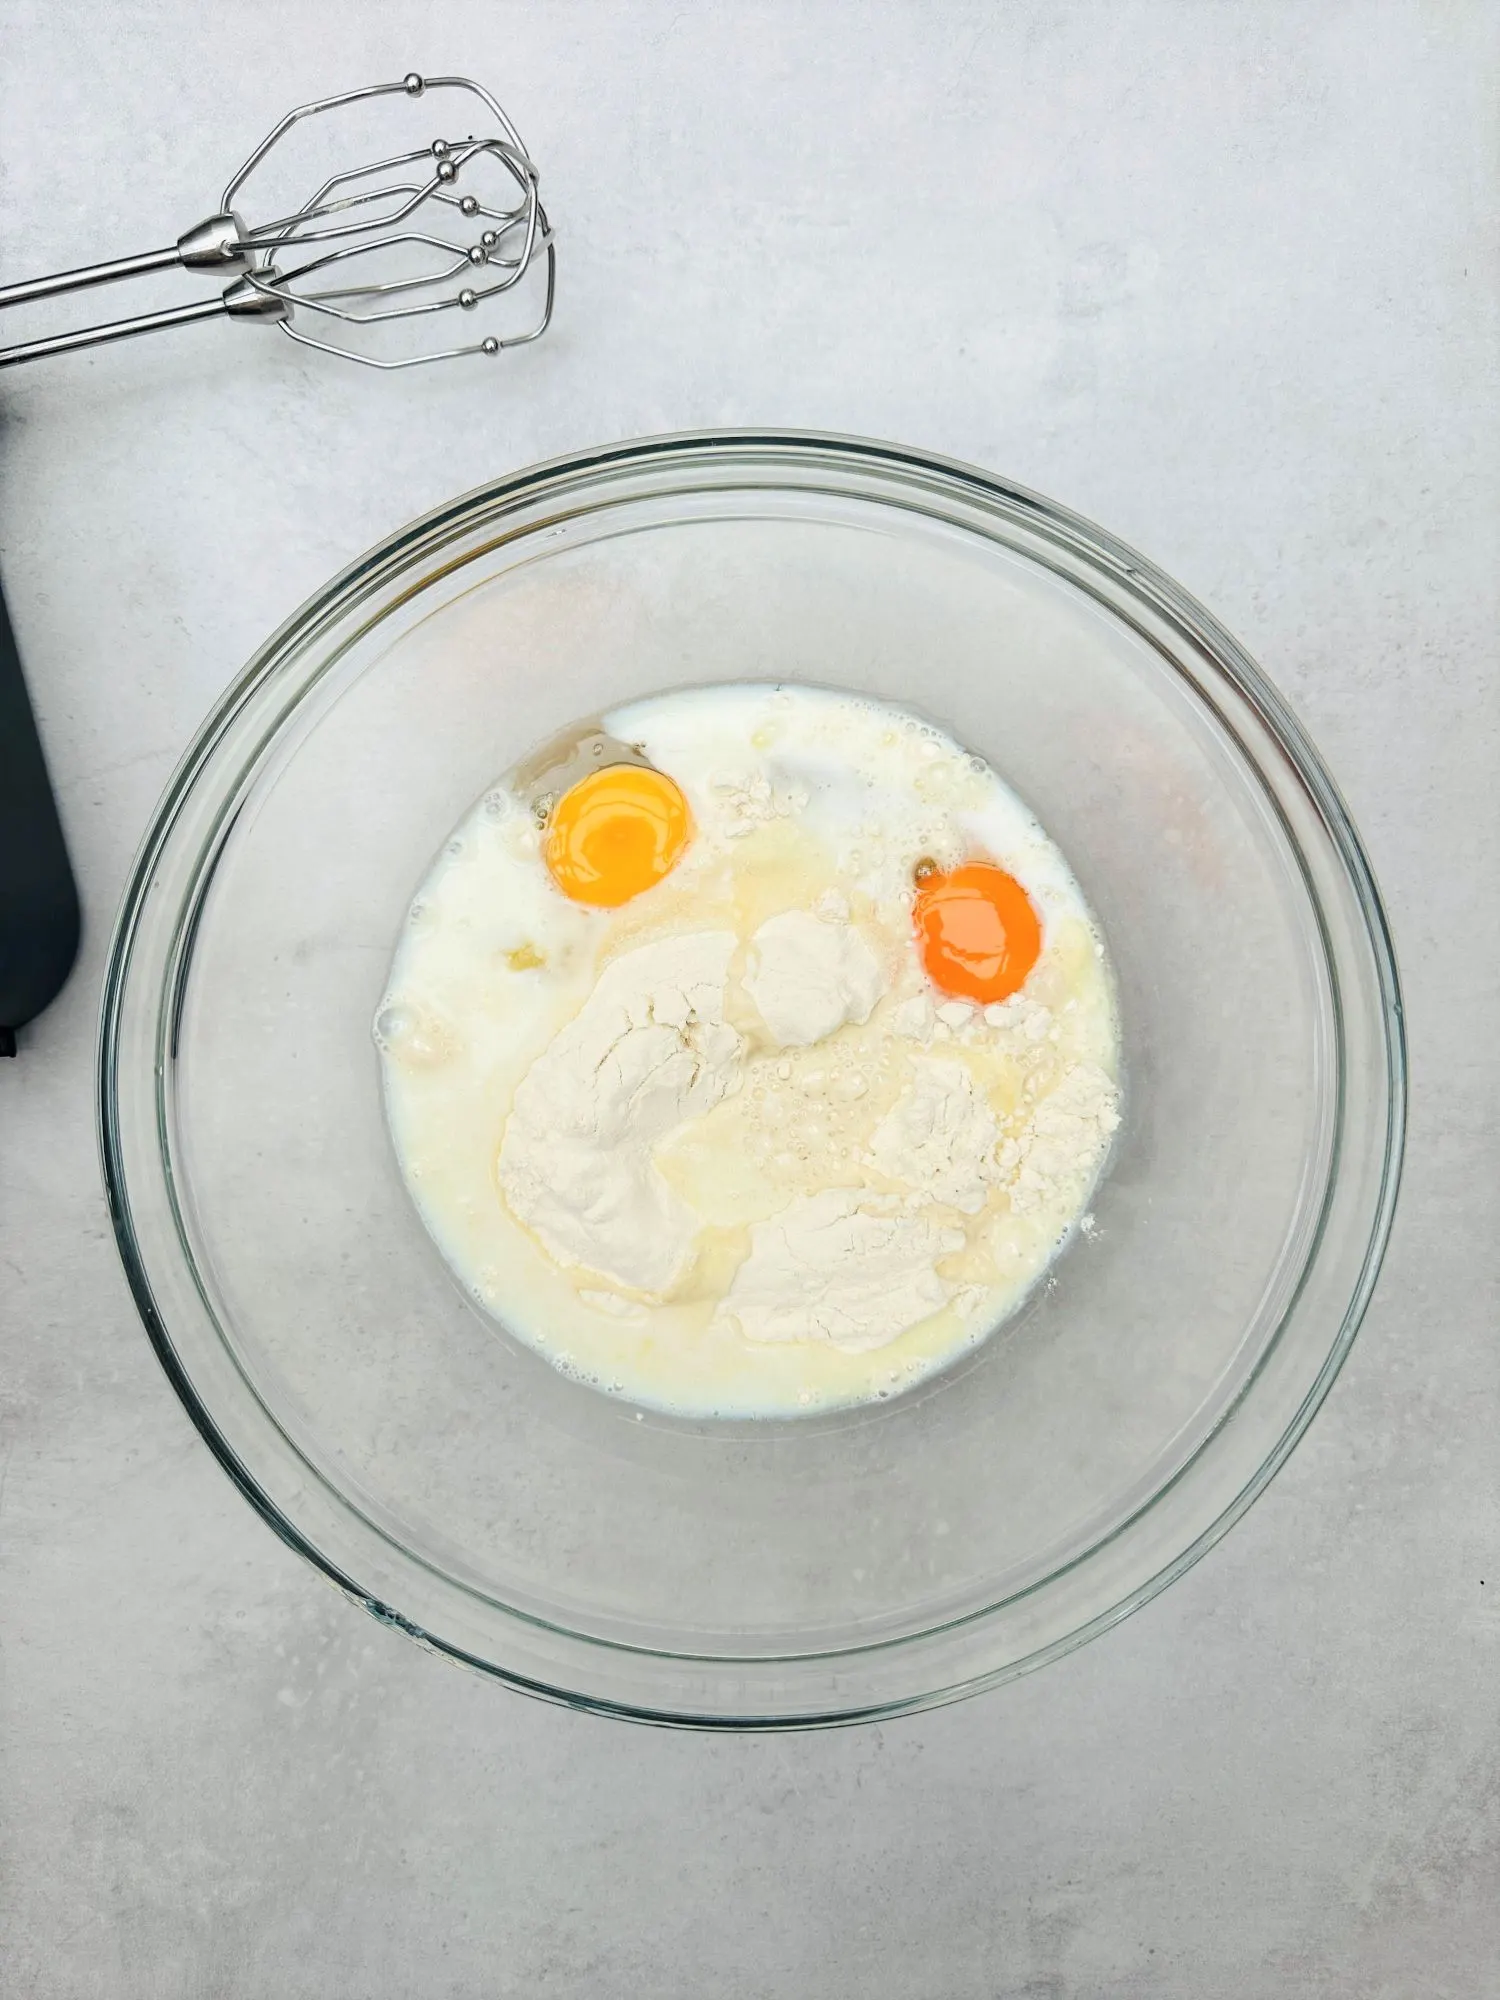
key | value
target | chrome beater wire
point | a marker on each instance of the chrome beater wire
(366, 278)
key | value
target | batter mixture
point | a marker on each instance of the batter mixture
(750, 1050)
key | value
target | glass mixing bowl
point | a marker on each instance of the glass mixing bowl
(751, 1574)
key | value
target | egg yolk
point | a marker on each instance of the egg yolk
(977, 932)
(615, 833)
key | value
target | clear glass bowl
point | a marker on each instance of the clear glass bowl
(775, 1573)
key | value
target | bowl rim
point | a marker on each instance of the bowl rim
(1053, 521)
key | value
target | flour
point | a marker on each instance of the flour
(940, 1137)
(1025, 1023)
(913, 1019)
(845, 1267)
(808, 976)
(1050, 1163)
(649, 1050)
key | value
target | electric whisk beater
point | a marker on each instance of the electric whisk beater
(394, 248)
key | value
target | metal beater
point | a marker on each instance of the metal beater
(382, 235)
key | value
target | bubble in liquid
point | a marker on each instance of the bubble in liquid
(388, 1025)
(411, 1036)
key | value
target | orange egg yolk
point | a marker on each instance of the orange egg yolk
(977, 932)
(615, 833)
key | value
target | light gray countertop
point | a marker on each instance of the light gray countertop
(1222, 278)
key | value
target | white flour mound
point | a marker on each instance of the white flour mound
(808, 975)
(649, 1049)
(940, 1137)
(1052, 1160)
(845, 1266)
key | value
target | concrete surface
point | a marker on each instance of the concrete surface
(1221, 277)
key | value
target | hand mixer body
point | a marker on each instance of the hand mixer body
(38, 899)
